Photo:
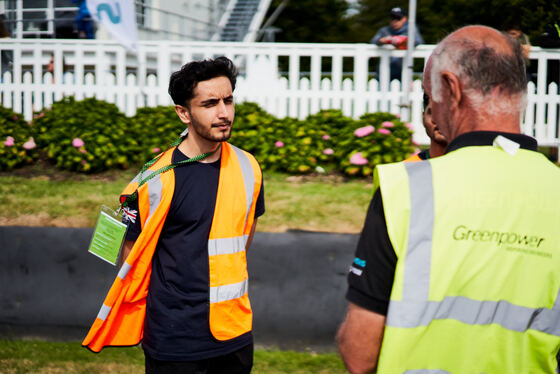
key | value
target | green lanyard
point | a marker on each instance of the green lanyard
(142, 181)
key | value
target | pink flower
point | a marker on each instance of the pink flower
(30, 144)
(77, 142)
(156, 150)
(409, 125)
(279, 144)
(358, 159)
(388, 124)
(328, 151)
(9, 141)
(364, 131)
(384, 131)
(84, 162)
(398, 115)
(15, 118)
(82, 150)
(326, 137)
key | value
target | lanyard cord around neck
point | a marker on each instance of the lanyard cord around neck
(143, 180)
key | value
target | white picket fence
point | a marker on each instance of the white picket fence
(286, 79)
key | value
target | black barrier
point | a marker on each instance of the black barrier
(50, 287)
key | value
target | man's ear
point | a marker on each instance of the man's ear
(451, 87)
(183, 114)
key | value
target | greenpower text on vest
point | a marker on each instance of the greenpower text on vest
(514, 241)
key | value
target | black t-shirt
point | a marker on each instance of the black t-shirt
(177, 315)
(370, 280)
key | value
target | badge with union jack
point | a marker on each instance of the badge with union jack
(129, 214)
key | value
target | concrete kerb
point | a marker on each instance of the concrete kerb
(51, 288)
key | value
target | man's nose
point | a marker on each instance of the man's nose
(222, 109)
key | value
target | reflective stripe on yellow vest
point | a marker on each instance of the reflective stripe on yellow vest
(477, 287)
(120, 321)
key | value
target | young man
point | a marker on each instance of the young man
(182, 289)
(457, 264)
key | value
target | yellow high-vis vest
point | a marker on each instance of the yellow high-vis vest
(120, 321)
(477, 281)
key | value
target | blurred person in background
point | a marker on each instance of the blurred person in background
(396, 34)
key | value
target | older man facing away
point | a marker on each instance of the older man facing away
(456, 269)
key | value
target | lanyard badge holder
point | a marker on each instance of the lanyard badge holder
(109, 234)
(108, 237)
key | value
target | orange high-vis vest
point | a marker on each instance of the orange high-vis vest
(413, 158)
(120, 321)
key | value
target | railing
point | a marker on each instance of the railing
(285, 79)
(154, 22)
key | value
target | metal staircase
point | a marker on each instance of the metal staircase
(241, 21)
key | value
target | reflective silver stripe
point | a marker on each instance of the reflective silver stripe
(144, 175)
(228, 292)
(136, 178)
(103, 312)
(426, 371)
(248, 175)
(548, 320)
(473, 312)
(154, 191)
(225, 246)
(415, 309)
(124, 270)
(416, 282)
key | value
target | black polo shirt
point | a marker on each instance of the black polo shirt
(177, 327)
(371, 275)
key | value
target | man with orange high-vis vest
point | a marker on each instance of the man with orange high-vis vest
(182, 288)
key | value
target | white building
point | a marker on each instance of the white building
(182, 20)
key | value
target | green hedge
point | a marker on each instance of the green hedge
(92, 135)
(376, 138)
(87, 136)
(17, 145)
(157, 128)
(323, 142)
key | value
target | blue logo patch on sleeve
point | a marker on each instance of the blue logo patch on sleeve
(358, 261)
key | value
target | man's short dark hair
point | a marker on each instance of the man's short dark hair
(486, 68)
(183, 82)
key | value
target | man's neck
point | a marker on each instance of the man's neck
(192, 146)
(483, 122)
(436, 149)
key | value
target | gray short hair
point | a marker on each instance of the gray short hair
(482, 70)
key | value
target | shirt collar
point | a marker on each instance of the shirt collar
(477, 138)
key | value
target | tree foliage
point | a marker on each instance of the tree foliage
(437, 18)
(312, 21)
(328, 21)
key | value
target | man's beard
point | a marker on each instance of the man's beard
(206, 133)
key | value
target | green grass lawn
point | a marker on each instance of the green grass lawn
(39, 196)
(44, 357)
